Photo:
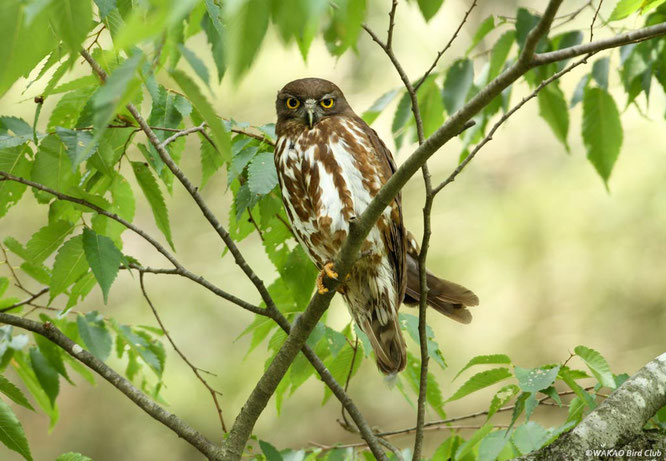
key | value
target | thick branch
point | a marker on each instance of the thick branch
(173, 422)
(619, 418)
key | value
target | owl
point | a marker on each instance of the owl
(330, 164)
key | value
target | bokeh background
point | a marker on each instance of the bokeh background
(556, 259)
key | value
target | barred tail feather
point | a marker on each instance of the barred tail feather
(387, 342)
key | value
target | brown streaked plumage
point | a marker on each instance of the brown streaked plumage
(330, 165)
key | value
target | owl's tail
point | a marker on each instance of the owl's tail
(445, 297)
(387, 342)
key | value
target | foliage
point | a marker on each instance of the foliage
(89, 151)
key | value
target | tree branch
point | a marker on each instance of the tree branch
(617, 420)
(26, 301)
(195, 370)
(173, 422)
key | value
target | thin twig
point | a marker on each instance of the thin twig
(195, 369)
(27, 301)
(418, 84)
(503, 119)
(180, 133)
(594, 18)
(180, 427)
(15, 276)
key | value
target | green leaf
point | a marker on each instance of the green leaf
(553, 109)
(14, 393)
(103, 258)
(14, 131)
(13, 161)
(220, 135)
(45, 373)
(345, 26)
(69, 108)
(47, 239)
(431, 106)
(597, 365)
(378, 106)
(602, 131)
(117, 91)
(70, 264)
(52, 167)
(470, 443)
(494, 359)
(149, 349)
(480, 381)
(485, 27)
(196, 63)
(579, 91)
(53, 355)
(535, 379)
(11, 432)
(22, 366)
(73, 456)
(261, 174)
(491, 445)
(270, 451)
(247, 21)
(500, 53)
(600, 72)
(624, 8)
(79, 144)
(211, 161)
(24, 43)
(400, 119)
(73, 20)
(501, 397)
(411, 324)
(567, 377)
(429, 8)
(529, 437)
(153, 193)
(215, 34)
(525, 22)
(94, 334)
(459, 80)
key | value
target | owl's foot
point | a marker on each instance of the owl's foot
(329, 271)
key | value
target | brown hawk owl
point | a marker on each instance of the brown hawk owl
(330, 165)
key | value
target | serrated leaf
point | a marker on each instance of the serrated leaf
(493, 359)
(457, 83)
(597, 365)
(485, 27)
(14, 132)
(500, 53)
(600, 72)
(11, 432)
(535, 379)
(197, 64)
(378, 106)
(529, 437)
(14, 393)
(79, 144)
(480, 381)
(13, 161)
(602, 131)
(566, 376)
(103, 258)
(625, 8)
(153, 193)
(247, 22)
(579, 90)
(47, 239)
(24, 43)
(270, 451)
(52, 167)
(553, 109)
(525, 22)
(431, 106)
(215, 34)
(501, 397)
(220, 135)
(53, 355)
(72, 20)
(95, 335)
(70, 264)
(261, 174)
(470, 443)
(73, 456)
(429, 8)
(491, 445)
(22, 366)
(411, 324)
(45, 373)
(211, 161)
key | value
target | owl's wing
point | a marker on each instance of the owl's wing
(396, 236)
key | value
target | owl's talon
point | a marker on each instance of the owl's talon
(330, 273)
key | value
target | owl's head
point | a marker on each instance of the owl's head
(309, 100)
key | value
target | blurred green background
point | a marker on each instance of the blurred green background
(556, 260)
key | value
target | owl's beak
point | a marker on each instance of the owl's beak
(310, 106)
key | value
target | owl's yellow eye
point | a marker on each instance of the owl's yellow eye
(293, 103)
(326, 103)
